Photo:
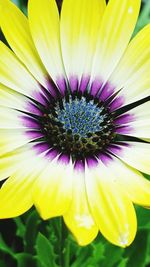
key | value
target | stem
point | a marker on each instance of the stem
(67, 253)
(65, 246)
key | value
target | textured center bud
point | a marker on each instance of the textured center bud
(78, 126)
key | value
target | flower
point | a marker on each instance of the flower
(75, 115)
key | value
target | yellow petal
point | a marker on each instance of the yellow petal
(111, 208)
(135, 154)
(26, 155)
(10, 118)
(52, 191)
(139, 125)
(134, 184)
(14, 138)
(10, 162)
(12, 99)
(14, 75)
(44, 26)
(20, 40)
(78, 218)
(133, 69)
(15, 195)
(80, 22)
(16, 192)
(116, 30)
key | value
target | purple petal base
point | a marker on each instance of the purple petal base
(61, 83)
(79, 166)
(41, 147)
(92, 162)
(124, 129)
(41, 98)
(107, 91)
(117, 103)
(33, 109)
(105, 158)
(29, 122)
(84, 84)
(64, 159)
(52, 88)
(124, 119)
(73, 82)
(117, 149)
(33, 134)
(95, 87)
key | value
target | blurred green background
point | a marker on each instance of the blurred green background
(28, 241)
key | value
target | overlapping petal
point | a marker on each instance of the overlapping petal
(116, 30)
(112, 209)
(44, 26)
(135, 154)
(132, 181)
(15, 138)
(132, 73)
(52, 191)
(78, 218)
(80, 22)
(14, 75)
(16, 193)
(15, 27)
(12, 99)
(135, 122)
(11, 161)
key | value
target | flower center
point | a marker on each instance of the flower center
(78, 126)
(81, 117)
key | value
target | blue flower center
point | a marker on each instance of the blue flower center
(79, 126)
(81, 117)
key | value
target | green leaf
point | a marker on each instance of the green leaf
(144, 17)
(143, 218)
(31, 231)
(5, 248)
(3, 264)
(16, 2)
(20, 227)
(82, 255)
(136, 253)
(148, 251)
(45, 252)
(24, 260)
(113, 255)
(123, 263)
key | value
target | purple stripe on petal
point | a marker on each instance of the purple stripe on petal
(124, 130)
(92, 162)
(95, 87)
(84, 83)
(34, 134)
(64, 159)
(41, 147)
(105, 158)
(61, 82)
(117, 103)
(51, 154)
(79, 165)
(124, 119)
(51, 87)
(107, 91)
(38, 96)
(29, 122)
(73, 81)
(32, 108)
(117, 149)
